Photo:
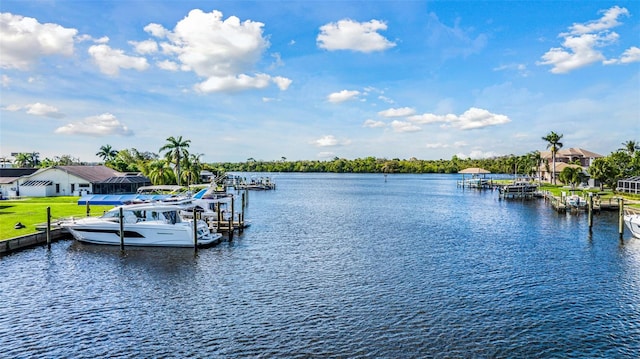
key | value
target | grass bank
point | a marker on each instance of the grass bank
(33, 211)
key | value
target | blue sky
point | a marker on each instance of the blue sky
(318, 79)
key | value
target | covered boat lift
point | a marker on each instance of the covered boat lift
(119, 199)
(476, 180)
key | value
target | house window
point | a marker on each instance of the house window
(73, 187)
(57, 187)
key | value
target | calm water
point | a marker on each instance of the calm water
(342, 266)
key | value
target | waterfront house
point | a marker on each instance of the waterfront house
(9, 178)
(72, 181)
(629, 185)
(572, 155)
(568, 157)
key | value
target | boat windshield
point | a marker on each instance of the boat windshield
(143, 215)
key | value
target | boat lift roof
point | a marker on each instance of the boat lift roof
(119, 199)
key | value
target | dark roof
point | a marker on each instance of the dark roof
(16, 172)
(91, 174)
(127, 179)
(10, 175)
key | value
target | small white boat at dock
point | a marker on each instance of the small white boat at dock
(576, 201)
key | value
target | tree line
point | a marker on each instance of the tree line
(173, 164)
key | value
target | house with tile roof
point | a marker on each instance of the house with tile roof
(572, 155)
(566, 157)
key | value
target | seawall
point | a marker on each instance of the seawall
(30, 240)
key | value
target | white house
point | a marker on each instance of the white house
(61, 181)
(9, 180)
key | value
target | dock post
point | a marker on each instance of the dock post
(242, 212)
(232, 208)
(195, 230)
(121, 217)
(48, 227)
(621, 216)
(590, 211)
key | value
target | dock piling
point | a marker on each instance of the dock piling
(195, 230)
(590, 209)
(121, 217)
(48, 227)
(621, 216)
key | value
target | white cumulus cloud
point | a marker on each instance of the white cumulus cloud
(168, 65)
(477, 118)
(40, 109)
(110, 61)
(283, 83)
(397, 112)
(630, 55)
(347, 34)
(373, 124)
(145, 47)
(342, 96)
(233, 83)
(473, 118)
(223, 51)
(404, 126)
(156, 30)
(36, 109)
(23, 40)
(101, 125)
(329, 141)
(581, 44)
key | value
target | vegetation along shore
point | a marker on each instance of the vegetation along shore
(173, 164)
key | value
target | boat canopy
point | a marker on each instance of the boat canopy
(119, 199)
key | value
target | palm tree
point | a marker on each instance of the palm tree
(107, 153)
(176, 149)
(27, 159)
(572, 176)
(160, 172)
(599, 170)
(192, 168)
(554, 144)
(21, 159)
(537, 159)
(630, 147)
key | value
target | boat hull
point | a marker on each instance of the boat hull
(632, 221)
(141, 234)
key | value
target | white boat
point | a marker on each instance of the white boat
(576, 201)
(632, 220)
(146, 224)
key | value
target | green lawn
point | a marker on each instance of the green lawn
(33, 211)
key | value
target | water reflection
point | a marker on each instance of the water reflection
(154, 261)
(342, 266)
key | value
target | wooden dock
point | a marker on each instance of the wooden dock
(519, 190)
(561, 204)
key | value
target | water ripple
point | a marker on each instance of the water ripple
(341, 266)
